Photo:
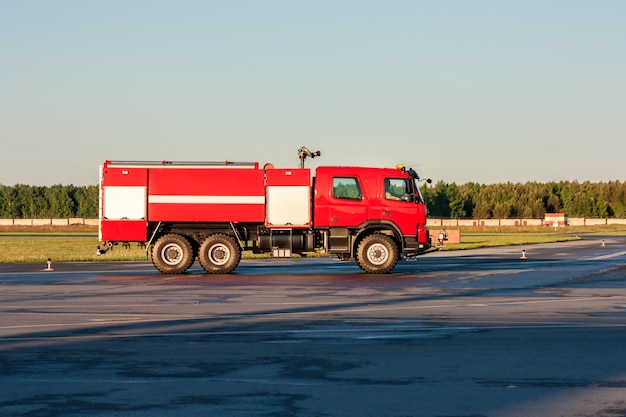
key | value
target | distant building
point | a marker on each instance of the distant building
(555, 219)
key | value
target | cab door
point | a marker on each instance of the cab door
(398, 204)
(348, 203)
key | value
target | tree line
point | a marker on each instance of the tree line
(530, 200)
(43, 202)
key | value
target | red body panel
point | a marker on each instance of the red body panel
(206, 181)
(124, 230)
(124, 177)
(288, 177)
(206, 213)
(206, 195)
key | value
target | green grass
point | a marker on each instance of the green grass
(483, 240)
(81, 246)
(38, 248)
(481, 237)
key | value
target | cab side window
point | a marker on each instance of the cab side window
(397, 189)
(347, 188)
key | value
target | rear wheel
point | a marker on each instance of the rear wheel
(377, 254)
(172, 254)
(219, 254)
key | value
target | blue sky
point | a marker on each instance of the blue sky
(463, 91)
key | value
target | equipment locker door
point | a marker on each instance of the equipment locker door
(123, 204)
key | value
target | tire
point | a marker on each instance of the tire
(219, 254)
(172, 254)
(377, 254)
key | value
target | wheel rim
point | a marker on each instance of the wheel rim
(172, 254)
(219, 254)
(377, 254)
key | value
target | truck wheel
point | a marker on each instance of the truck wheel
(377, 254)
(219, 254)
(172, 254)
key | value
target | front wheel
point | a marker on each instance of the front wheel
(377, 254)
(219, 254)
(172, 254)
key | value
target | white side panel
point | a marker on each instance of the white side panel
(288, 206)
(124, 203)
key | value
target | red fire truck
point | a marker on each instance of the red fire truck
(212, 211)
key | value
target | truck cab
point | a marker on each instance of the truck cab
(370, 214)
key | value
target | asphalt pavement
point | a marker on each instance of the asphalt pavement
(488, 332)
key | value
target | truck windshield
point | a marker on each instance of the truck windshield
(419, 192)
